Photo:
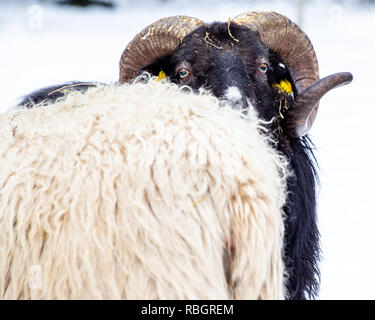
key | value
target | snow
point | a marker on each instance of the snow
(42, 45)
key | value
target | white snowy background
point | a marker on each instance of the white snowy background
(42, 44)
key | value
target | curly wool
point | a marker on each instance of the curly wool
(139, 191)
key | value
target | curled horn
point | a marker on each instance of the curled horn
(283, 36)
(155, 41)
(300, 116)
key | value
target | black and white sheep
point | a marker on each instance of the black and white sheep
(265, 65)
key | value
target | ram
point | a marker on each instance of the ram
(263, 64)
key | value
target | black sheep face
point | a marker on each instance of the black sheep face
(231, 62)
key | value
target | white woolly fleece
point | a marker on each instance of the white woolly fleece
(139, 192)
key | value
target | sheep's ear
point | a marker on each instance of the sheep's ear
(279, 78)
(161, 65)
(161, 76)
(284, 87)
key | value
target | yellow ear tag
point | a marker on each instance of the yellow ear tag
(162, 76)
(284, 86)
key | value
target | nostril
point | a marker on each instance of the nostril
(233, 94)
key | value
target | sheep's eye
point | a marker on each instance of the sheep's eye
(183, 73)
(263, 68)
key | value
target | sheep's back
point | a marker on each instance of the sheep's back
(136, 192)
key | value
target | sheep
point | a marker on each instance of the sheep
(263, 64)
(139, 191)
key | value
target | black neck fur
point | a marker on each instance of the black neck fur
(301, 240)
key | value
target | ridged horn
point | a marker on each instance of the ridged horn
(286, 38)
(283, 36)
(298, 117)
(159, 39)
